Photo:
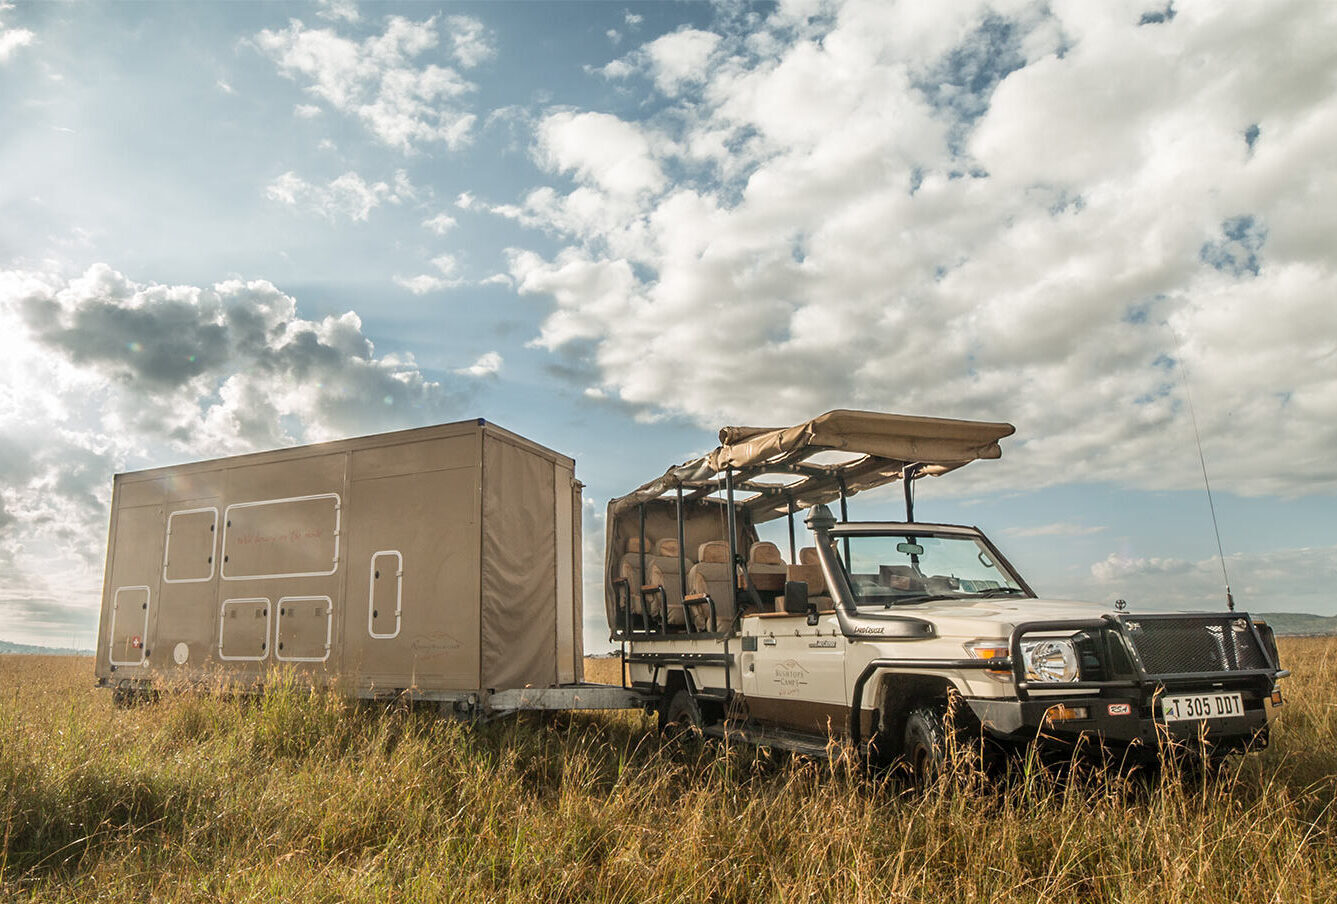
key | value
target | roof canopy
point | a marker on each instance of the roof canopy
(806, 464)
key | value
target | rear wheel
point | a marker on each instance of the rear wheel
(680, 715)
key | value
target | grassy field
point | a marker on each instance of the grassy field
(297, 797)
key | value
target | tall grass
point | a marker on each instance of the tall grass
(306, 797)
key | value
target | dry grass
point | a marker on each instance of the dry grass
(303, 797)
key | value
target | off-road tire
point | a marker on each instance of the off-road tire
(925, 745)
(680, 715)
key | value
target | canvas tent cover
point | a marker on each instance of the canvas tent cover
(877, 449)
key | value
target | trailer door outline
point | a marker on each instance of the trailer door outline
(213, 546)
(222, 625)
(373, 578)
(283, 604)
(227, 524)
(115, 610)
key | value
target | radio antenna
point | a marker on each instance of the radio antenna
(1202, 460)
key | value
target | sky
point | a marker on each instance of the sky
(616, 227)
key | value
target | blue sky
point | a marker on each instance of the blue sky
(615, 227)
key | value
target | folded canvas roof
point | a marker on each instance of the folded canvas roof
(807, 463)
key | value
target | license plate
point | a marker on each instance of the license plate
(1201, 706)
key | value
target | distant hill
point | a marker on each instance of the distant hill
(7, 647)
(1300, 622)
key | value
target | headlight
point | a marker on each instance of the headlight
(1051, 659)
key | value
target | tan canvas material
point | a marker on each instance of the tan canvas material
(519, 569)
(444, 558)
(880, 447)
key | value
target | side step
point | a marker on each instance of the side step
(808, 745)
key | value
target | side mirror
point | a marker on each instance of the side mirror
(796, 597)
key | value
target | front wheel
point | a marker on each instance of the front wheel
(680, 715)
(925, 744)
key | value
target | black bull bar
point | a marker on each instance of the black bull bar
(1116, 627)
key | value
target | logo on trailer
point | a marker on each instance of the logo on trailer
(136, 642)
(1121, 709)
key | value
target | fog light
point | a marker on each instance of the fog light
(1276, 698)
(1061, 712)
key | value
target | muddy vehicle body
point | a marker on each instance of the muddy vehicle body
(876, 631)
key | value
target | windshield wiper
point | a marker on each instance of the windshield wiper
(1000, 591)
(922, 598)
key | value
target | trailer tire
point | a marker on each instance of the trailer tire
(925, 745)
(680, 715)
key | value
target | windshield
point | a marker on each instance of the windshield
(890, 569)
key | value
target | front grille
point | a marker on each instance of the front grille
(1177, 646)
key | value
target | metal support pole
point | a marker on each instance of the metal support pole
(844, 517)
(682, 549)
(793, 550)
(733, 541)
(907, 478)
(640, 594)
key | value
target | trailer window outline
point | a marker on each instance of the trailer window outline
(329, 627)
(111, 631)
(269, 620)
(334, 565)
(213, 546)
(371, 592)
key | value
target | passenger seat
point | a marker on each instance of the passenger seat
(711, 576)
(766, 567)
(809, 571)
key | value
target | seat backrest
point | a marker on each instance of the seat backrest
(764, 557)
(713, 551)
(712, 577)
(808, 556)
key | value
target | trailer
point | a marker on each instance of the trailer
(442, 563)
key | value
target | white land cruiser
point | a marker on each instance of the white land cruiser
(878, 630)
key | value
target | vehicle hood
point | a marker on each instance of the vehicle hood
(989, 618)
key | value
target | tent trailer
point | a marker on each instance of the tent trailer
(443, 562)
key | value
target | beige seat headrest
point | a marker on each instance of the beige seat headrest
(808, 556)
(633, 544)
(714, 551)
(764, 553)
(667, 547)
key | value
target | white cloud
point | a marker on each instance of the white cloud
(377, 80)
(99, 373)
(976, 211)
(306, 111)
(465, 201)
(471, 42)
(225, 87)
(1282, 580)
(348, 196)
(680, 57)
(446, 266)
(11, 39)
(336, 10)
(633, 19)
(440, 224)
(487, 365)
(601, 149)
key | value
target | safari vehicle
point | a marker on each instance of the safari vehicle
(877, 630)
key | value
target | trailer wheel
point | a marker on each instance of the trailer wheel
(925, 744)
(679, 715)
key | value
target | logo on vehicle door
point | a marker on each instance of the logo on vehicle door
(789, 677)
(1120, 709)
